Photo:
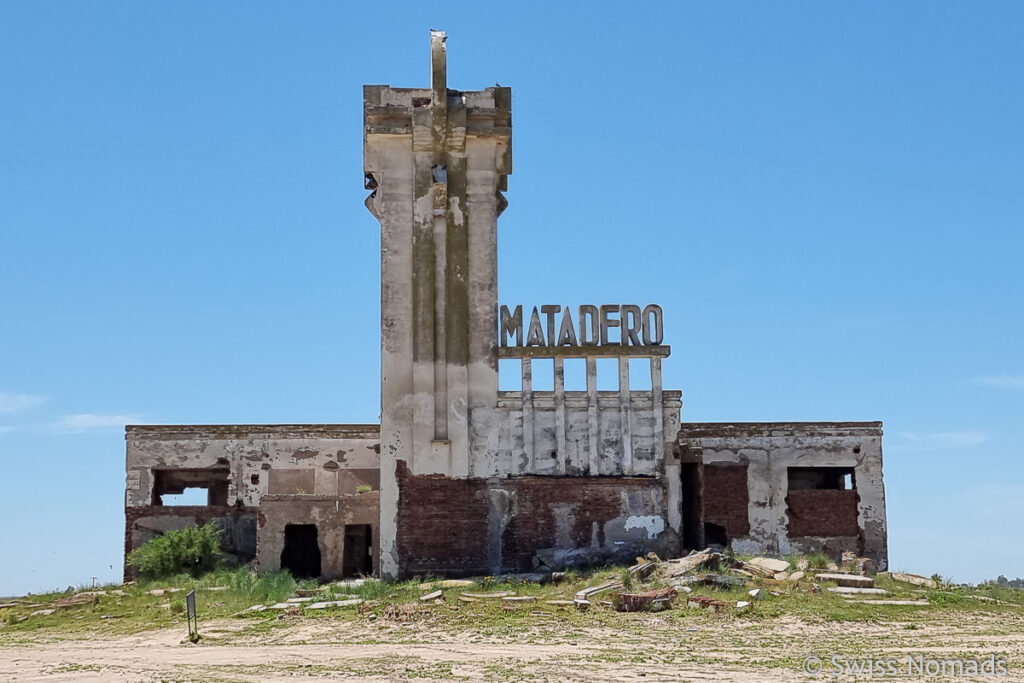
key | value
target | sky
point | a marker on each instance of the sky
(825, 198)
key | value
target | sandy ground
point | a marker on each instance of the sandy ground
(654, 649)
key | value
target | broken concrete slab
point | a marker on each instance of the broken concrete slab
(594, 590)
(350, 583)
(213, 588)
(781, 576)
(560, 603)
(796, 576)
(334, 603)
(850, 590)
(768, 564)
(447, 583)
(300, 600)
(493, 595)
(851, 580)
(281, 605)
(913, 579)
(431, 596)
(582, 604)
(254, 608)
(742, 605)
(519, 598)
(756, 594)
(42, 612)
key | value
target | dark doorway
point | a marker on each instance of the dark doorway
(692, 527)
(358, 555)
(301, 554)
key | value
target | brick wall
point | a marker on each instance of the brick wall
(824, 512)
(444, 525)
(726, 499)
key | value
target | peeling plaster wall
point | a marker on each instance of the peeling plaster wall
(330, 514)
(507, 437)
(315, 456)
(768, 450)
(300, 460)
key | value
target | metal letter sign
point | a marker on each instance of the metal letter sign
(193, 620)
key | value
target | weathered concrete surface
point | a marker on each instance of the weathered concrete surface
(330, 514)
(768, 450)
(252, 461)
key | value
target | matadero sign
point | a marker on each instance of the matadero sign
(607, 325)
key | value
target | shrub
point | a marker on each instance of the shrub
(193, 550)
(363, 488)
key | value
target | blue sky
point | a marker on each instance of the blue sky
(825, 198)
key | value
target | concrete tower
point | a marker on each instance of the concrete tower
(436, 162)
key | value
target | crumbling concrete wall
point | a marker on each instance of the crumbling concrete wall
(330, 514)
(257, 460)
(783, 521)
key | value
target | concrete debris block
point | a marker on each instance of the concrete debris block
(307, 592)
(781, 576)
(775, 593)
(156, 591)
(690, 562)
(852, 580)
(849, 590)
(796, 576)
(832, 567)
(643, 569)
(913, 579)
(908, 603)
(431, 596)
(334, 603)
(768, 564)
(42, 612)
(448, 583)
(351, 583)
(802, 564)
(862, 565)
(254, 608)
(9, 604)
(216, 588)
(557, 577)
(560, 603)
(519, 598)
(299, 600)
(281, 605)
(742, 605)
(466, 598)
(743, 573)
(756, 594)
(682, 588)
(594, 590)
(493, 595)
(582, 604)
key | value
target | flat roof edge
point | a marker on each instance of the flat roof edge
(689, 430)
(245, 430)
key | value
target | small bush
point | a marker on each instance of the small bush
(178, 607)
(193, 550)
(363, 488)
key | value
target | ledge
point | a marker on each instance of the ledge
(248, 431)
(609, 351)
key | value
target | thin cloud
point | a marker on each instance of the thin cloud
(945, 439)
(1013, 382)
(83, 422)
(11, 402)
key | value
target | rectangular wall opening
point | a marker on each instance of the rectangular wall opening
(821, 478)
(692, 536)
(301, 554)
(640, 374)
(510, 374)
(190, 487)
(575, 374)
(358, 553)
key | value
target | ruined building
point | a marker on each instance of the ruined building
(461, 478)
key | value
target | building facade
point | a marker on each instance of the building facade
(461, 478)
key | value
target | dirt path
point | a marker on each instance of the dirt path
(658, 649)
